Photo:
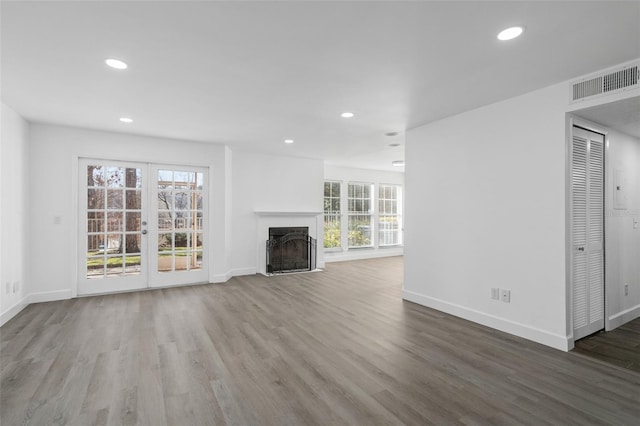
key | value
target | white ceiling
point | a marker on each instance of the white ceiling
(251, 74)
(623, 115)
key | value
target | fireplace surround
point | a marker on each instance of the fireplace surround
(313, 220)
(290, 249)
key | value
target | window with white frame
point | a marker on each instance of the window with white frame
(389, 215)
(332, 214)
(360, 214)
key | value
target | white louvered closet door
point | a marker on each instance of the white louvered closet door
(587, 233)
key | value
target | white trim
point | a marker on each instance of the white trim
(237, 272)
(602, 73)
(623, 317)
(176, 277)
(13, 311)
(575, 121)
(608, 98)
(84, 285)
(286, 213)
(544, 337)
(362, 253)
(333, 250)
(49, 296)
(267, 219)
(220, 278)
(76, 219)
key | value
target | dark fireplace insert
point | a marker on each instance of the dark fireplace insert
(290, 249)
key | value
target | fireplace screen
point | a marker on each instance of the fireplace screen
(290, 250)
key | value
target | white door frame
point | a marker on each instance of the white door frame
(593, 127)
(87, 286)
(149, 278)
(168, 279)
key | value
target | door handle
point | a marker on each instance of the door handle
(144, 232)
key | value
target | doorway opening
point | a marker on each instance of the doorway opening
(587, 230)
(141, 225)
(619, 121)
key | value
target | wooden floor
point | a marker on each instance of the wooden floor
(619, 347)
(327, 348)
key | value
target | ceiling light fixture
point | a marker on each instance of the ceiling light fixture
(398, 163)
(126, 120)
(392, 134)
(394, 144)
(510, 33)
(116, 63)
(288, 141)
(347, 115)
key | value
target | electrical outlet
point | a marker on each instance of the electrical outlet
(16, 286)
(495, 293)
(505, 296)
(626, 289)
(7, 287)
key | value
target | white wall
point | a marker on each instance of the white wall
(14, 180)
(485, 208)
(53, 161)
(241, 183)
(345, 175)
(269, 183)
(622, 239)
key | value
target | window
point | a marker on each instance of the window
(332, 215)
(389, 215)
(360, 214)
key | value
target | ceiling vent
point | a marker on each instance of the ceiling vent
(606, 82)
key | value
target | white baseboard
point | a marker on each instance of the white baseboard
(522, 330)
(46, 296)
(623, 317)
(49, 296)
(360, 254)
(243, 271)
(223, 278)
(220, 278)
(13, 311)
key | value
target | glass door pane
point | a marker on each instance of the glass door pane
(122, 246)
(111, 239)
(180, 204)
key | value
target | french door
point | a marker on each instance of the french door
(141, 225)
(587, 231)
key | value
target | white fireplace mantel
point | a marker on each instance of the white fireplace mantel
(314, 220)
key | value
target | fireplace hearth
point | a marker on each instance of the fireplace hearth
(290, 249)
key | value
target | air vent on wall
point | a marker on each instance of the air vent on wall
(587, 88)
(606, 82)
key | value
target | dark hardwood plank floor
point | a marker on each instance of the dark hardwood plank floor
(327, 348)
(619, 347)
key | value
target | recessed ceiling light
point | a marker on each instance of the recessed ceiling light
(510, 33)
(126, 120)
(394, 144)
(398, 163)
(116, 63)
(347, 115)
(288, 141)
(392, 134)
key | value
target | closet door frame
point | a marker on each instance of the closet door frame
(592, 127)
